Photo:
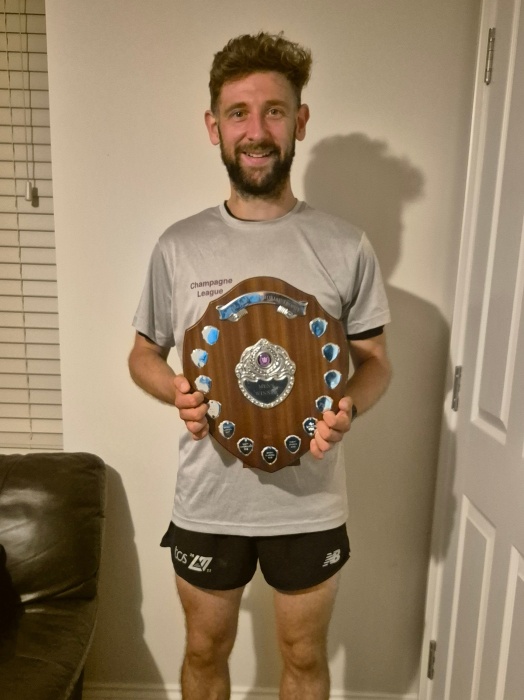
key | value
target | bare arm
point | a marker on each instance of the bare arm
(367, 384)
(149, 370)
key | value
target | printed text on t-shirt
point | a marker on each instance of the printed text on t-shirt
(210, 288)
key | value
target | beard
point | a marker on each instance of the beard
(252, 184)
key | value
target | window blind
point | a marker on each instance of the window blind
(30, 410)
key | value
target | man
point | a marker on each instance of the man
(292, 522)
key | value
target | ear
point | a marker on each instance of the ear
(212, 127)
(302, 119)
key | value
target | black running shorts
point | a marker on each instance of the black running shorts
(288, 562)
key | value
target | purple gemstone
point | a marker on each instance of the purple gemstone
(264, 359)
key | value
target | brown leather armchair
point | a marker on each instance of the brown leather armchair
(51, 523)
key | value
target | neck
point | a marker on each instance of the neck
(253, 208)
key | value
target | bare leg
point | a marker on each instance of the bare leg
(302, 625)
(211, 622)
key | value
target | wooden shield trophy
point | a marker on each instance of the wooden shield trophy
(270, 361)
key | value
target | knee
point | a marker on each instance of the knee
(303, 657)
(205, 650)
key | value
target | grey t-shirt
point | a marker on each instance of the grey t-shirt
(195, 261)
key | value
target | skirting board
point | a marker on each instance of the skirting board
(102, 691)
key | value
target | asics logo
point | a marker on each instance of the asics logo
(332, 558)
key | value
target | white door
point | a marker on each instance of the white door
(475, 610)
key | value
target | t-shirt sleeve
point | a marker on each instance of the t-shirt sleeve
(153, 316)
(367, 306)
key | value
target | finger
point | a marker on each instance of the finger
(190, 401)
(322, 443)
(345, 404)
(337, 421)
(182, 384)
(324, 439)
(326, 442)
(328, 434)
(197, 429)
(322, 429)
(315, 449)
(329, 418)
(197, 415)
(183, 396)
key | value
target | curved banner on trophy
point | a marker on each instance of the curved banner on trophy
(269, 361)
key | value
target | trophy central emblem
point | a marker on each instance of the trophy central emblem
(265, 374)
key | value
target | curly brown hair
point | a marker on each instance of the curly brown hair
(260, 52)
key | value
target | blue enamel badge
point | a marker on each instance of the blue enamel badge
(331, 351)
(324, 403)
(199, 357)
(203, 383)
(318, 326)
(210, 334)
(214, 408)
(332, 378)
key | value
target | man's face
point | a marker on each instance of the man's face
(256, 123)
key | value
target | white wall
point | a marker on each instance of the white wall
(390, 99)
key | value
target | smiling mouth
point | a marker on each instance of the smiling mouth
(258, 151)
(258, 155)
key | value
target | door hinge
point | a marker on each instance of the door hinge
(456, 388)
(489, 56)
(431, 659)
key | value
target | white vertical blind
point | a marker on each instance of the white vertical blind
(30, 410)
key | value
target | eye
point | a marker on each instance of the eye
(237, 114)
(275, 112)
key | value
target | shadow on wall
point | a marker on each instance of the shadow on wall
(392, 452)
(119, 642)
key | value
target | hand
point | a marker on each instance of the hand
(332, 428)
(191, 407)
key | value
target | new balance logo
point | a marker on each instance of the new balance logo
(332, 558)
(199, 563)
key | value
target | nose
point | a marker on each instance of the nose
(256, 127)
